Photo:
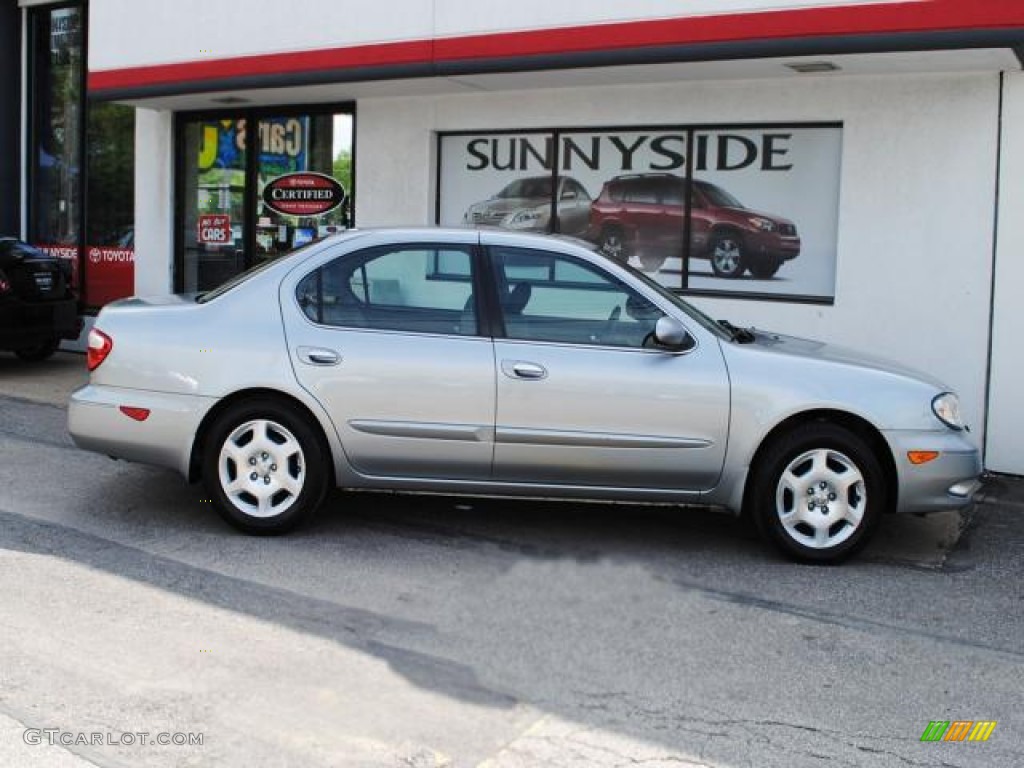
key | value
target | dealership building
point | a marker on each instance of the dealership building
(848, 170)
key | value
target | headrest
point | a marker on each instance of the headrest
(517, 298)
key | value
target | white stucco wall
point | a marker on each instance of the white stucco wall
(916, 205)
(193, 30)
(154, 202)
(1006, 415)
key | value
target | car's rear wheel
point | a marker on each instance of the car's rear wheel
(727, 257)
(613, 244)
(818, 493)
(39, 352)
(765, 267)
(265, 466)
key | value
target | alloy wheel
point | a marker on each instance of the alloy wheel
(261, 468)
(727, 256)
(821, 498)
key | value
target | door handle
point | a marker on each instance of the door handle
(520, 369)
(318, 356)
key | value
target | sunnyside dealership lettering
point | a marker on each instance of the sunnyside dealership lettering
(662, 152)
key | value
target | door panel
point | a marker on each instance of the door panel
(583, 399)
(392, 354)
(611, 417)
(405, 405)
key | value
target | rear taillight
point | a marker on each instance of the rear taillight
(99, 347)
(5, 284)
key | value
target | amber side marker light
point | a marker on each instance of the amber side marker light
(922, 457)
(139, 414)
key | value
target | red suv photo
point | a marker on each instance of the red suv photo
(642, 214)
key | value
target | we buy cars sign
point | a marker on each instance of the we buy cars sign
(214, 229)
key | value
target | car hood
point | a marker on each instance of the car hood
(794, 346)
(761, 214)
(509, 204)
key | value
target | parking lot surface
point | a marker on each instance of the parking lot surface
(434, 631)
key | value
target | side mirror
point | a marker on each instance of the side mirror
(670, 334)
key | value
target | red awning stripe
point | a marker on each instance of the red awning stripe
(418, 56)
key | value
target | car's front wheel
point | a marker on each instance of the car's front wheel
(727, 257)
(765, 267)
(818, 492)
(265, 466)
(613, 244)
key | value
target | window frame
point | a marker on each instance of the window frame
(252, 117)
(36, 16)
(692, 131)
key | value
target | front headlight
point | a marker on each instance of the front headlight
(946, 408)
(765, 225)
(525, 217)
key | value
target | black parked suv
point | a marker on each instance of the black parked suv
(37, 306)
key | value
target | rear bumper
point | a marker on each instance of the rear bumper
(165, 438)
(26, 324)
(948, 482)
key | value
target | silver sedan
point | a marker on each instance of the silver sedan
(465, 362)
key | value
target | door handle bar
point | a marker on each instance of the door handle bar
(521, 369)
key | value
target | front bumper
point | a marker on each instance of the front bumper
(948, 482)
(164, 439)
(781, 247)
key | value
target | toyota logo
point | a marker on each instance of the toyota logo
(95, 255)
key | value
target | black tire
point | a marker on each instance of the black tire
(613, 244)
(727, 254)
(651, 262)
(291, 478)
(787, 493)
(39, 352)
(765, 267)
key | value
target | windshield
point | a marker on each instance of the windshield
(718, 196)
(535, 187)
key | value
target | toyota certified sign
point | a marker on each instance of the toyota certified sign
(303, 194)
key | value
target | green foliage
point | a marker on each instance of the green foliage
(343, 169)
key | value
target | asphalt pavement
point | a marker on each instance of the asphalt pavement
(434, 631)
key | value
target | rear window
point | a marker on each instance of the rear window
(11, 249)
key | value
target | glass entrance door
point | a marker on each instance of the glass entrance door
(302, 152)
(242, 201)
(213, 202)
